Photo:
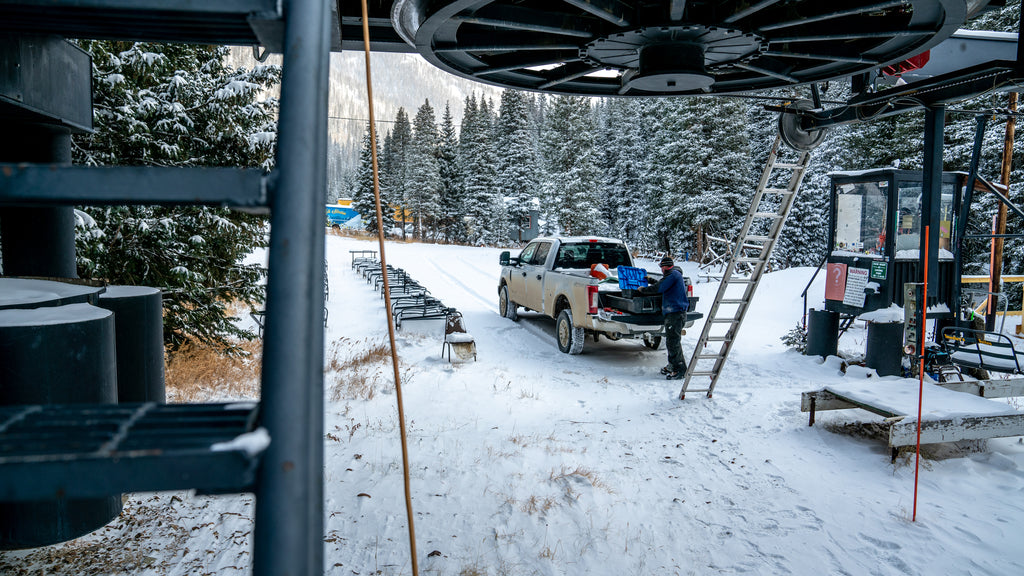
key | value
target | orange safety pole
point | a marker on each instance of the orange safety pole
(920, 390)
(387, 296)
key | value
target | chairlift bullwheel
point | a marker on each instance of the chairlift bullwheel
(678, 47)
(794, 134)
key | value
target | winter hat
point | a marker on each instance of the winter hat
(667, 262)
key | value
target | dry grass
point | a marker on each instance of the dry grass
(580, 473)
(536, 505)
(354, 368)
(197, 373)
(151, 536)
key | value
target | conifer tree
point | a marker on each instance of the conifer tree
(178, 105)
(398, 165)
(626, 206)
(479, 174)
(424, 171)
(451, 201)
(517, 176)
(363, 198)
(572, 164)
(673, 172)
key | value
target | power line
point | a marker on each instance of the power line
(357, 119)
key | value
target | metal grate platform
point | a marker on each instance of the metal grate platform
(86, 451)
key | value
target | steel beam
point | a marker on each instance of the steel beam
(931, 200)
(48, 184)
(289, 512)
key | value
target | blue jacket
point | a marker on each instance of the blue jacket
(673, 290)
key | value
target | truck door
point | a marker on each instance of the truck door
(518, 275)
(535, 272)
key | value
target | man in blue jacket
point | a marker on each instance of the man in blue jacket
(674, 304)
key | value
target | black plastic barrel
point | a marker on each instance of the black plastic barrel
(885, 348)
(139, 334)
(822, 333)
(56, 355)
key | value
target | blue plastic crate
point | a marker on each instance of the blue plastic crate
(631, 277)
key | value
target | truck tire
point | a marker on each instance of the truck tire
(506, 307)
(569, 337)
(652, 342)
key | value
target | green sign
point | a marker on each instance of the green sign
(878, 270)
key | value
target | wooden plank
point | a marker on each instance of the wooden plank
(1002, 388)
(823, 400)
(904, 432)
(873, 409)
(988, 388)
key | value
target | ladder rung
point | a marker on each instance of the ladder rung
(709, 356)
(750, 261)
(777, 191)
(732, 301)
(757, 239)
(719, 339)
(735, 280)
(723, 320)
(703, 373)
(774, 215)
(788, 165)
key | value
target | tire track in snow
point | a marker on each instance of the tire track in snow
(458, 282)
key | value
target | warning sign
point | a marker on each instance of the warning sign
(856, 282)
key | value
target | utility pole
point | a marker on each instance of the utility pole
(996, 272)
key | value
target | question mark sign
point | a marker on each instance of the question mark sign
(838, 274)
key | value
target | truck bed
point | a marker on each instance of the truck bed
(634, 303)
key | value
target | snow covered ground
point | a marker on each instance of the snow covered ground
(529, 461)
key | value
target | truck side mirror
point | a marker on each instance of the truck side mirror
(504, 258)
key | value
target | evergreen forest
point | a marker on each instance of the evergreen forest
(662, 174)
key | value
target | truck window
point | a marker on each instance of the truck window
(541, 255)
(583, 254)
(527, 254)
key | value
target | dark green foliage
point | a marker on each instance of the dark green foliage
(178, 105)
(363, 195)
(796, 338)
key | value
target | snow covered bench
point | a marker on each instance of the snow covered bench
(990, 351)
(946, 415)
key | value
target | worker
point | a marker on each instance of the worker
(674, 305)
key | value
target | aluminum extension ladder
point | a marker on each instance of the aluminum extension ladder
(753, 248)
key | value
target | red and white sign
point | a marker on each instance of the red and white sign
(835, 282)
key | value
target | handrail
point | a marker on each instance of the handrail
(808, 287)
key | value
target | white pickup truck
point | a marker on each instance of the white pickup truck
(553, 276)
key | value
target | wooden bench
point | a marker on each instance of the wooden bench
(948, 415)
(972, 348)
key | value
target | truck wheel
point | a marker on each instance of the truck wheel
(652, 342)
(570, 338)
(506, 307)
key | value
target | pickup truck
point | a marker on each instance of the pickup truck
(553, 276)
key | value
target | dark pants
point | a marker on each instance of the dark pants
(673, 340)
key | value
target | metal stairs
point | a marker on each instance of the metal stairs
(765, 220)
(52, 452)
